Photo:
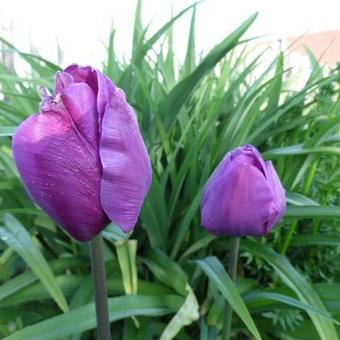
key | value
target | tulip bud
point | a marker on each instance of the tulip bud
(82, 157)
(244, 196)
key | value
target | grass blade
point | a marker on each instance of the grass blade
(297, 283)
(180, 93)
(315, 240)
(84, 318)
(313, 212)
(213, 268)
(16, 236)
(187, 314)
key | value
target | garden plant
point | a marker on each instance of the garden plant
(168, 277)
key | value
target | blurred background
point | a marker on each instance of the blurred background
(72, 31)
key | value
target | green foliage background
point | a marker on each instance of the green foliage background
(167, 279)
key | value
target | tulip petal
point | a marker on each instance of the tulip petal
(250, 155)
(237, 200)
(80, 102)
(105, 90)
(100, 84)
(85, 74)
(126, 166)
(59, 166)
(62, 80)
(279, 194)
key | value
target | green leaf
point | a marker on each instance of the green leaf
(185, 223)
(34, 60)
(213, 268)
(84, 293)
(112, 69)
(274, 89)
(7, 131)
(312, 212)
(297, 283)
(187, 314)
(25, 279)
(126, 253)
(154, 215)
(84, 318)
(329, 293)
(16, 236)
(139, 55)
(166, 270)
(315, 240)
(180, 93)
(298, 199)
(138, 32)
(299, 149)
(189, 60)
(113, 233)
(261, 297)
(11, 286)
(201, 243)
(36, 291)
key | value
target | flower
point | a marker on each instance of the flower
(82, 157)
(244, 196)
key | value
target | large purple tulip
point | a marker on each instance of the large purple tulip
(82, 157)
(244, 196)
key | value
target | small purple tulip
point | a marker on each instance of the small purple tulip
(82, 157)
(244, 196)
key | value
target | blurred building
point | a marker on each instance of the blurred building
(301, 52)
(324, 45)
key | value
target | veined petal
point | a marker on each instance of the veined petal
(60, 170)
(126, 166)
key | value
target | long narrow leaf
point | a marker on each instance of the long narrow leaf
(297, 283)
(313, 212)
(84, 318)
(16, 236)
(217, 274)
(183, 90)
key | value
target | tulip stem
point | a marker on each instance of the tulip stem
(232, 269)
(100, 288)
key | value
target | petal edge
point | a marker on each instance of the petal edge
(126, 165)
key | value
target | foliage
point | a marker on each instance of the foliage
(165, 278)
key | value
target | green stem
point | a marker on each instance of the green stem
(232, 269)
(99, 281)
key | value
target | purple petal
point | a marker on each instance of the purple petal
(80, 102)
(250, 155)
(60, 166)
(237, 200)
(279, 204)
(84, 74)
(100, 84)
(106, 90)
(62, 81)
(126, 166)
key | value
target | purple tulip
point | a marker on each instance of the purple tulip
(82, 157)
(244, 196)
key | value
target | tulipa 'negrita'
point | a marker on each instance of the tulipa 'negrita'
(244, 196)
(83, 160)
(82, 157)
